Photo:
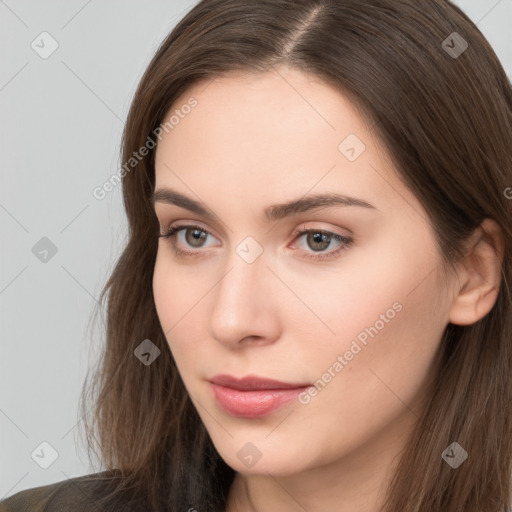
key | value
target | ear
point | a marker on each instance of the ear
(480, 275)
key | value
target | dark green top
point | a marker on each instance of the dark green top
(72, 495)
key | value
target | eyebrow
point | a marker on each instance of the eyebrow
(272, 212)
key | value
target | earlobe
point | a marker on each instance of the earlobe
(480, 278)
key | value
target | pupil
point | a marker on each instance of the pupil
(319, 237)
(197, 235)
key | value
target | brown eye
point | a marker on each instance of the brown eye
(318, 240)
(196, 237)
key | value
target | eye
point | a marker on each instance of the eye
(317, 239)
(198, 235)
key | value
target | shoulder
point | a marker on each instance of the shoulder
(72, 495)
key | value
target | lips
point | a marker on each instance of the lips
(252, 396)
(252, 382)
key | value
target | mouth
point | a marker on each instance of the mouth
(253, 396)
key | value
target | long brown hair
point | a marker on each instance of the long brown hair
(446, 120)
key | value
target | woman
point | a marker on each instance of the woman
(312, 310)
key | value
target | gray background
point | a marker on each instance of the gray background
(60, 128)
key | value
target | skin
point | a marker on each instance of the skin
(256, 140)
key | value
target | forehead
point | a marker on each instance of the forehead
(277, 134)
(284, 102)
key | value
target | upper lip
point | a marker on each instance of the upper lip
(253, 382)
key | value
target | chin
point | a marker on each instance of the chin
(261, 457)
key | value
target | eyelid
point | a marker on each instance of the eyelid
(176, 228)
(344, 241)
(295, 231)
(187, 224)
(304, 227)
(169, 212)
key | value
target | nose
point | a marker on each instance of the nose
(245, 305)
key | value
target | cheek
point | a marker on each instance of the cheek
(384, 378)
(387, 290)
(165, 291)
(171, 295)
(177, 289)
(180, 299)
(385, 313)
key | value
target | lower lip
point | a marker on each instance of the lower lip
(253, 404)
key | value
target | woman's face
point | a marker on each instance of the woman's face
(359, 318)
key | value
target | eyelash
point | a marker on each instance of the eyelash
(347, 241)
